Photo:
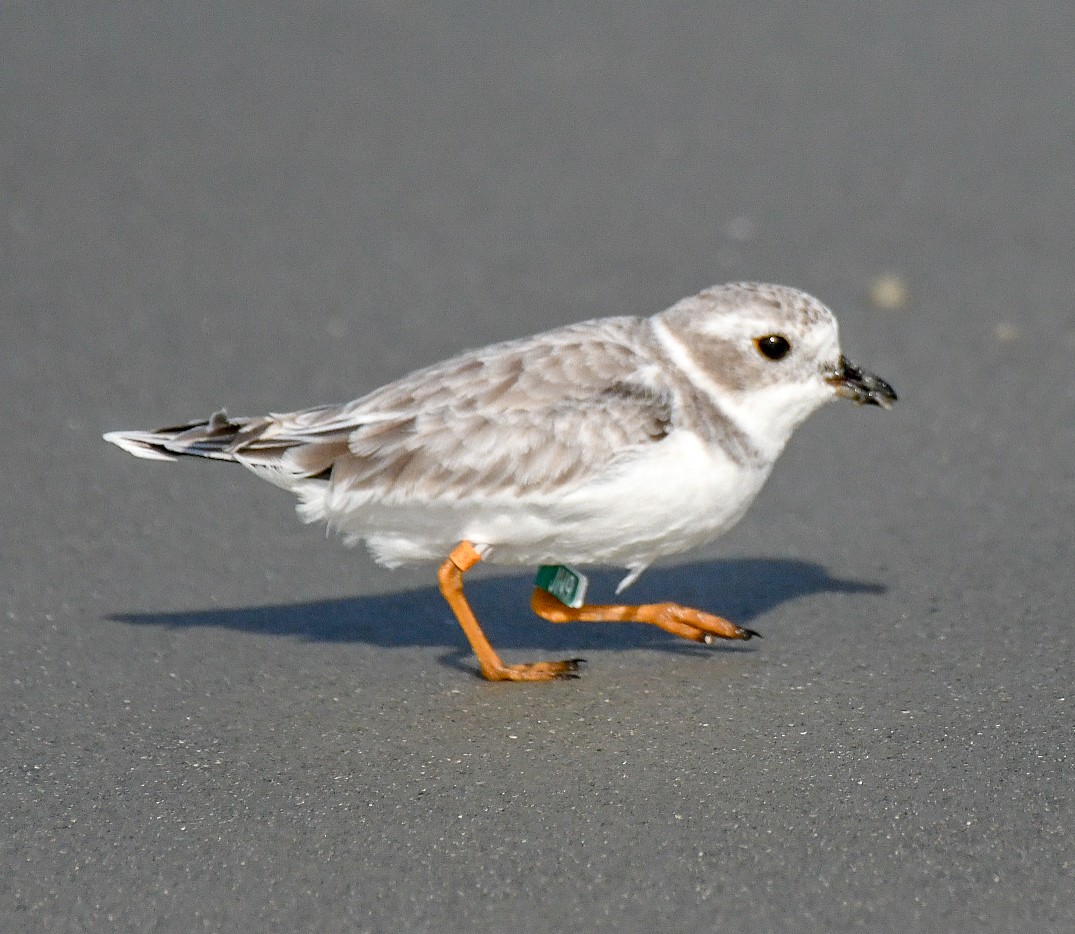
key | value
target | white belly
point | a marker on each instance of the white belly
(679, 495)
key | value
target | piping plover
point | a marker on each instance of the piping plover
(615, 441)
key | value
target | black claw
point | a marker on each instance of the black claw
(571, 672)
(751, 633)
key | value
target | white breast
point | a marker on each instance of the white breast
(679, 495)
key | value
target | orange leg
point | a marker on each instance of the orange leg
(463, 557)
(671, 617)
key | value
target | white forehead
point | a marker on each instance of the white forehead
(755, 308)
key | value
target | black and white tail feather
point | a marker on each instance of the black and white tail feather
(263, 445)
(214, 438)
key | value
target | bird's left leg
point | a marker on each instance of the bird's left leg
(682, 621)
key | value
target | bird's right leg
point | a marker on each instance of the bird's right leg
(463, 557)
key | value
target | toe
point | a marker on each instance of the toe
(570, 668)
(540, 671)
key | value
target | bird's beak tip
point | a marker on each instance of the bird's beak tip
(860, 386)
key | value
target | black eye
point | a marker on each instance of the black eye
(773, 346)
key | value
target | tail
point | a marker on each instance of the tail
(216, 438)
(278, 448)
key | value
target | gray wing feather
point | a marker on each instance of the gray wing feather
(533, 415)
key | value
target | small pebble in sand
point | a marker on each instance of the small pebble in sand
(889, 291)
(1006, 332)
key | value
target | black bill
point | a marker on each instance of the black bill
(860, 386)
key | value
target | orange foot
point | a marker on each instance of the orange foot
(535, 671)
(697, 625)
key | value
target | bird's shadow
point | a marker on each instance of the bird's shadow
(741, 589)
